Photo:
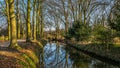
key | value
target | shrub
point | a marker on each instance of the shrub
(102, 34)
(79, 31)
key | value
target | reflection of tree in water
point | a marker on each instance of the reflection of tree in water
(79, 59)
(41, 57)
(55, 55)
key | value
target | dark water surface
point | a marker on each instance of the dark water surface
(57, 55)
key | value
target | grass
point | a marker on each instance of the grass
(26, 57)
(111, 50)
(29, 60)
(116, 44)
(4, 38)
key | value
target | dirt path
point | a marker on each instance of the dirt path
(7, 43)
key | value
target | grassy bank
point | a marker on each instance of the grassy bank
(27, 57)
(110, 52)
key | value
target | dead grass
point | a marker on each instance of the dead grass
(9, 58)
(8, 62)
(14, 58)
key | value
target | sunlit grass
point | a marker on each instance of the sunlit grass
(3, 37)
(31, 54)
(116, 44)
(29, 60)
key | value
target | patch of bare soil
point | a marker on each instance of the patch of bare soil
(8, 62)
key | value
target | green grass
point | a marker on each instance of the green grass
(4, 38)
(30, 61)
(109, 50)
(116, 45)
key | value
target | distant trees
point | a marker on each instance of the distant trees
(39, 19)
(76, 17)
(114, 17)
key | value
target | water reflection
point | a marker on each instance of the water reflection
(55, 55)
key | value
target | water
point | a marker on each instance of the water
(56, 55)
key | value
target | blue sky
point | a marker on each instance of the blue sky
(98, 12)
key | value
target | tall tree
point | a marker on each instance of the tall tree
(114, 17)
(13, 41)
(65, 10)
(41, 17)
(34, 22)
(38, 19)
(18, 20)
(28, 25)
(8, 18)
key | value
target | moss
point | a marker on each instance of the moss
(29, 60)
(38, 43)
(33, 56)
(23, 64)
(30, 54)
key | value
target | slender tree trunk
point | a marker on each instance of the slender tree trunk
(79, 11)
(84, 16)
(18, 21)
(8, 18)
(38, 20)
(66, 16)
(41, 33)
(9, 36)
(34, 22)
(13, 41)
(23, 32)
(28, 22)
(66, 25)
(42, 24)
(37, 24)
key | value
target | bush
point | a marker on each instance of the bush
(79, 31)
(102, 34)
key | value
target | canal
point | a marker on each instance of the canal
(58, 55)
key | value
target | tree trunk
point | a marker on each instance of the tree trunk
(8, 18)
(34, 23)
(66, 17)
(13, 41)
(42, 23)
(38, 20)
(18, 21)
(37, 24)
(28, 22)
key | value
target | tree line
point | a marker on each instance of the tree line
(83, 20)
